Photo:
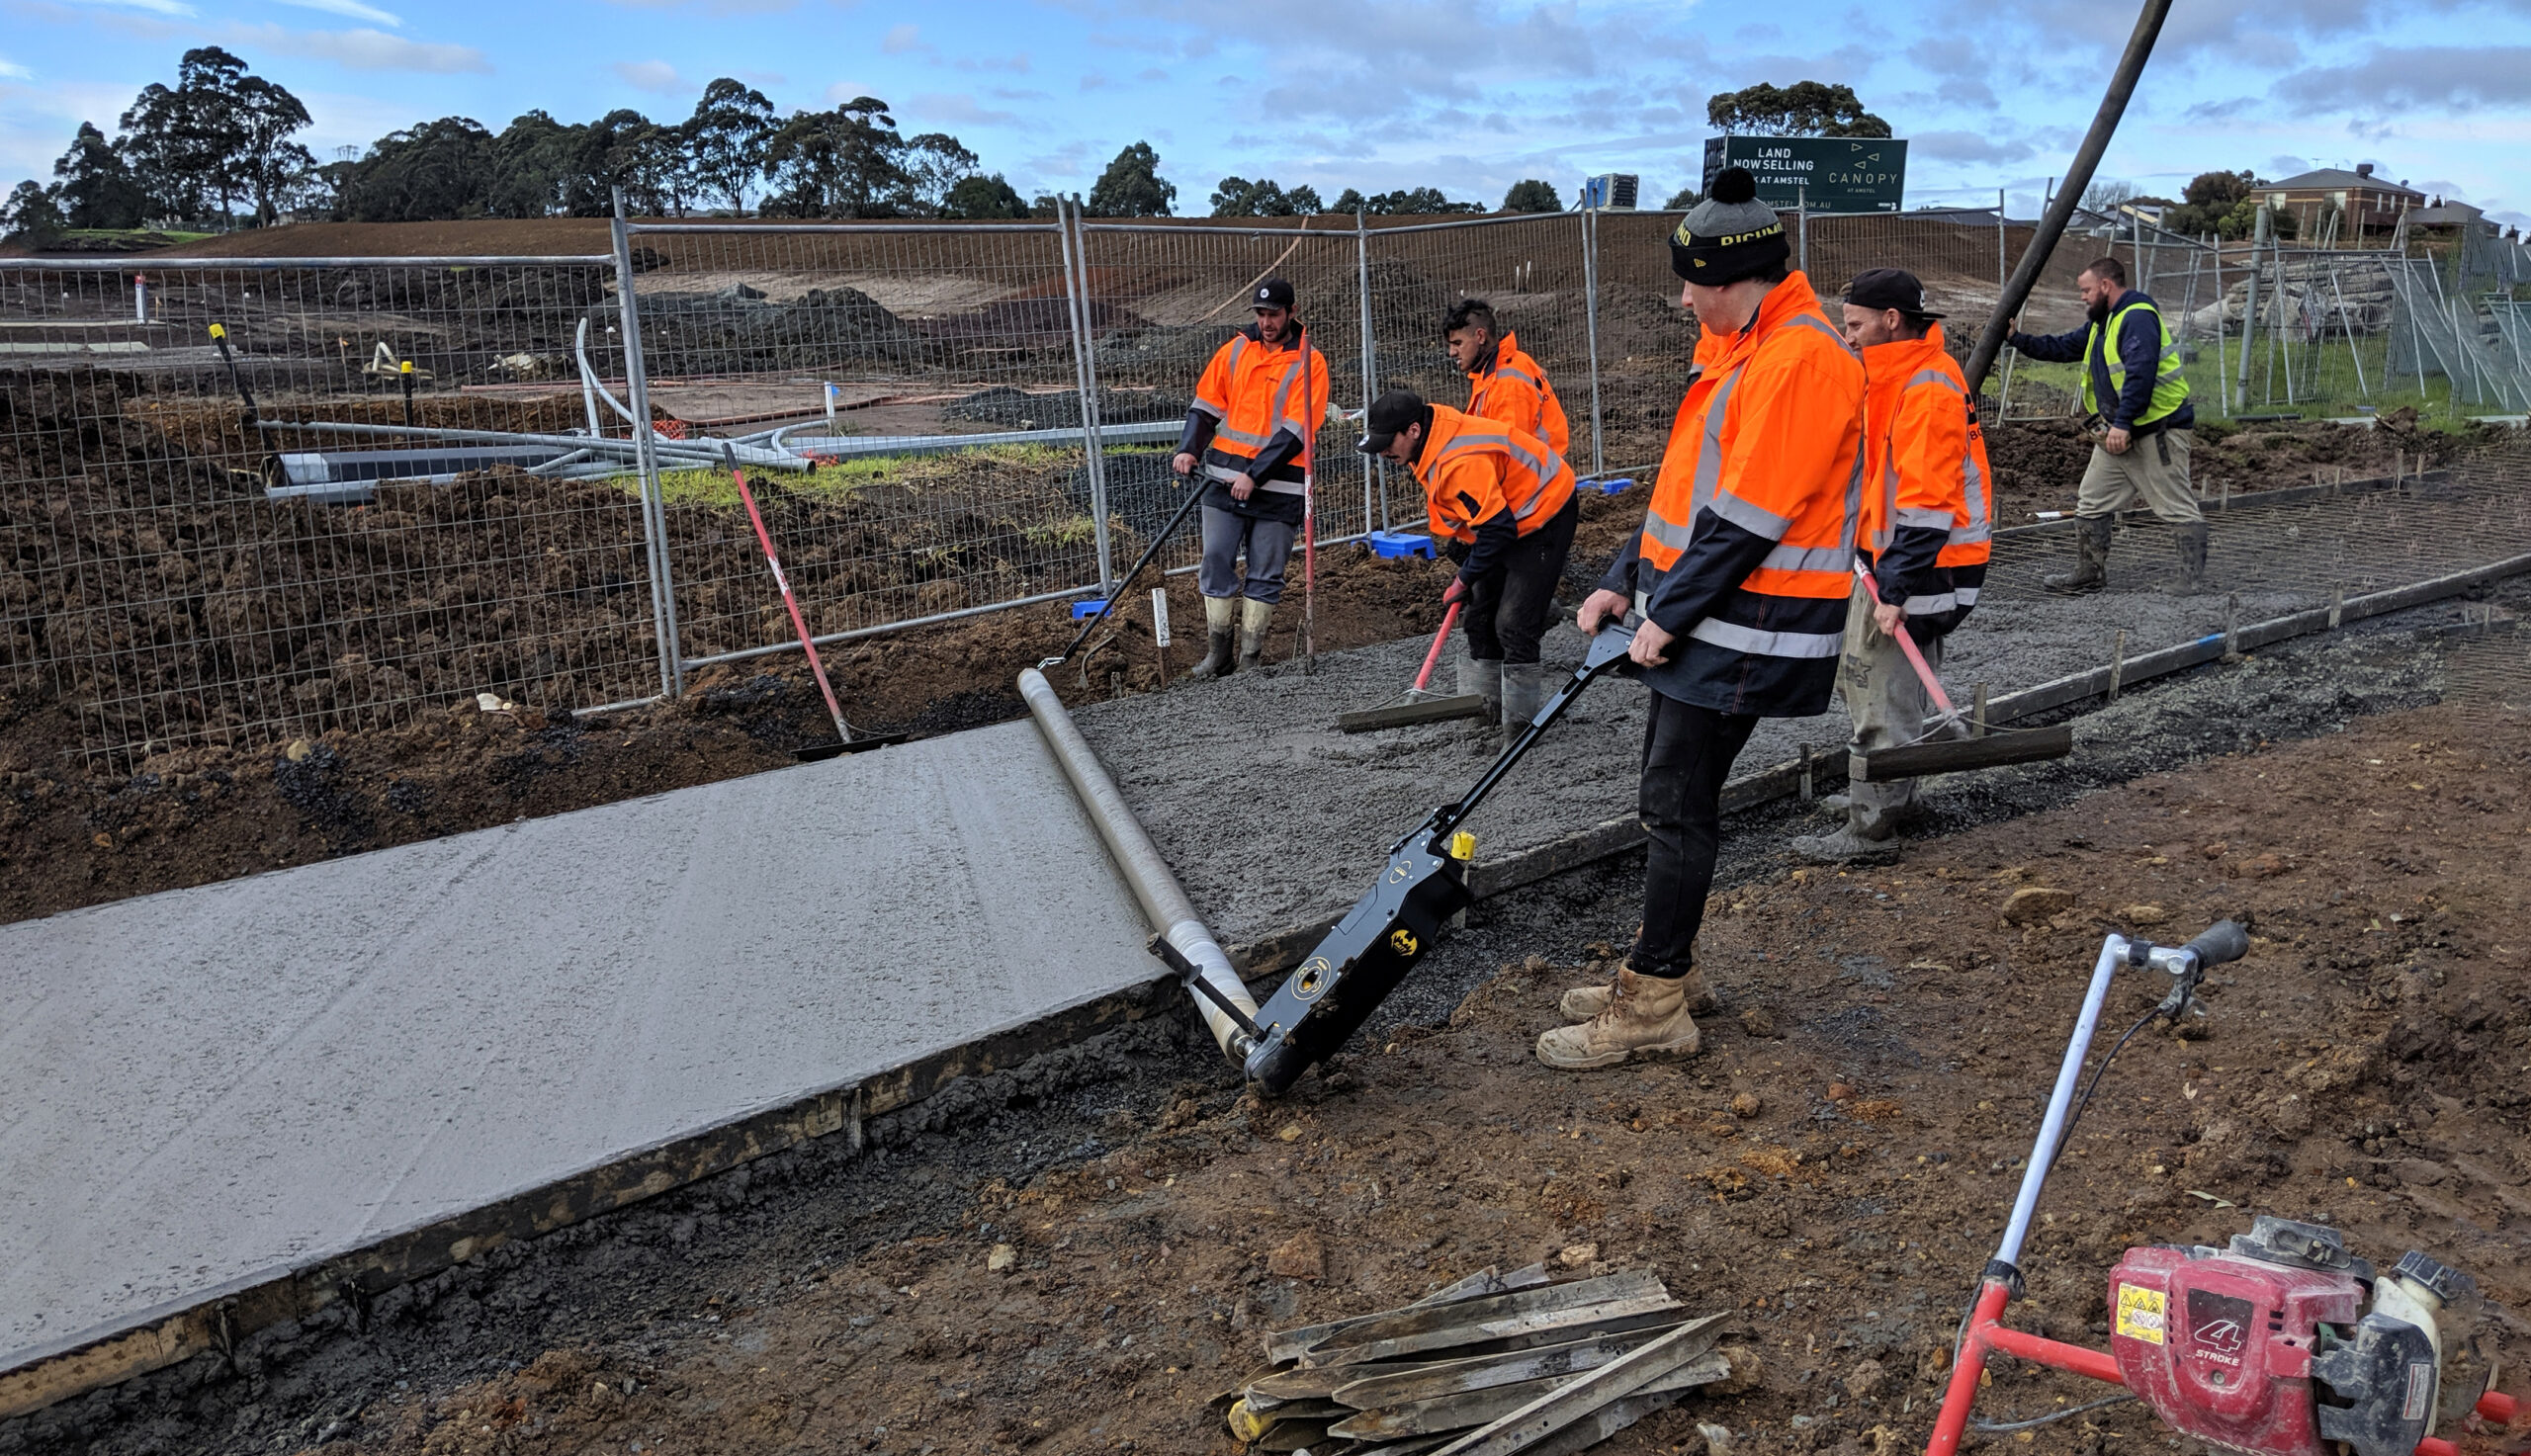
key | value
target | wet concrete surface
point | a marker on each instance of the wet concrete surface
(207, 1086)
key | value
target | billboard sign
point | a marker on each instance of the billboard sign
(1828, 174)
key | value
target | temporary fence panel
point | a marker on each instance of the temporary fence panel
(855, 335)
(1166, 297)
(169, 570)
(1647, 339)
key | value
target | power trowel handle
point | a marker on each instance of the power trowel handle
(2222, 942)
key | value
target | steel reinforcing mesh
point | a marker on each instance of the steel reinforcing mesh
(150, 577)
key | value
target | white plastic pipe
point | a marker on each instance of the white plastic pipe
(1156, 888)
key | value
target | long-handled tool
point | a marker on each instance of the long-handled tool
(845, 741)
(1350, 971)
(1969, 748)
(2281, 1344)
(1115, 594)
(1416, 705)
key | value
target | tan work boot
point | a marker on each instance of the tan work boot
(1585, 1001)
(1646, 1014)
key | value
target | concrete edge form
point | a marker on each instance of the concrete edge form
(1155, 885)
(219, 1322)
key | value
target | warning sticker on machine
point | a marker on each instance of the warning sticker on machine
(2140, 1313)
(2420, 1392)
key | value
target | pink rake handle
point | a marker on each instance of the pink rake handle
(1908, 645)
(799, 624)
(1447, 618)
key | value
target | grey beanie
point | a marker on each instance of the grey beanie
(1730, 235)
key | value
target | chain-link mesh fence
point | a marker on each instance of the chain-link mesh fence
(945, 419)
(872, 350)
(192, 570)
(1176, 293)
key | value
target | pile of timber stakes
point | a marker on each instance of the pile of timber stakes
(1492, 1364)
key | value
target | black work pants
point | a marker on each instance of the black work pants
(1507, 611)
(1686, 754)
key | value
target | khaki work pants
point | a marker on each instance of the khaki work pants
(1887, 703)
(2153, 471)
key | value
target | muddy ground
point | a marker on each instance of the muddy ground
(1891, 1032)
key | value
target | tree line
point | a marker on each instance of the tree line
(217, 150)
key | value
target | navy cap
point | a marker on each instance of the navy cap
(1388, 414)
(1273, 292)
(1890, 288)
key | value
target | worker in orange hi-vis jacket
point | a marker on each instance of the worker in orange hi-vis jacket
(1926, 534)
(1254, 416)
(1740, 575)
(1504, 383)
(1505, 505)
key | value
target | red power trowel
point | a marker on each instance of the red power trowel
(2282, 1345)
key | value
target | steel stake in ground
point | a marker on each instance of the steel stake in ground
(845, 741)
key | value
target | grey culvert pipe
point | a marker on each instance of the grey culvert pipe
(1156, 889)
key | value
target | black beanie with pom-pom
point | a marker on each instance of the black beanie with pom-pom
(1730, 235)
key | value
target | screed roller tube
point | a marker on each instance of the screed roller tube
(1164, 902)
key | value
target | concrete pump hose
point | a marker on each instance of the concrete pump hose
(1156, 888)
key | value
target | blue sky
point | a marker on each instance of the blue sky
(1462, 94)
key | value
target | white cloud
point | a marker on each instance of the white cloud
(14, 72)
(650, 75)
(350, 10)
(175, 8)
(956, 108)
(362, 50)
(900, 39)
(2417, 77)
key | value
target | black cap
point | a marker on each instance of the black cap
(1273, 292)
(1890, 288)
(1388, 414)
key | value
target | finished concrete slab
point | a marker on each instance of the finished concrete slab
(203, 1088)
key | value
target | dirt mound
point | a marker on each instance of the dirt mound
(740, 330)
(1007, 408)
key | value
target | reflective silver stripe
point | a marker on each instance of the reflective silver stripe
(1927, 605)
(1757, 520)
(1837, 558)
(1222, 473)
(1243, 437)
(1933, 377)
(1209, 407)
(1968, 535)
(1238, 346)
(1284, 487)
(1676, 538)
(1966, 596)
(1277, 414)
(1812, 320)
(1709, 459)
(1736, 637)
(1643, 604)
(1523, 376)
(1918, 516)
(1972, 485)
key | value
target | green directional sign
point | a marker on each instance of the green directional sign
(1828, 174)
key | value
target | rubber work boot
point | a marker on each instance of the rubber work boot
(1585, 1001)
(2191, 541)
(1482, 677)
(1648, 1016)
(1523, 694)
(1221, 615)
(1845, 848)
(2091, 566)
(1253, 617)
